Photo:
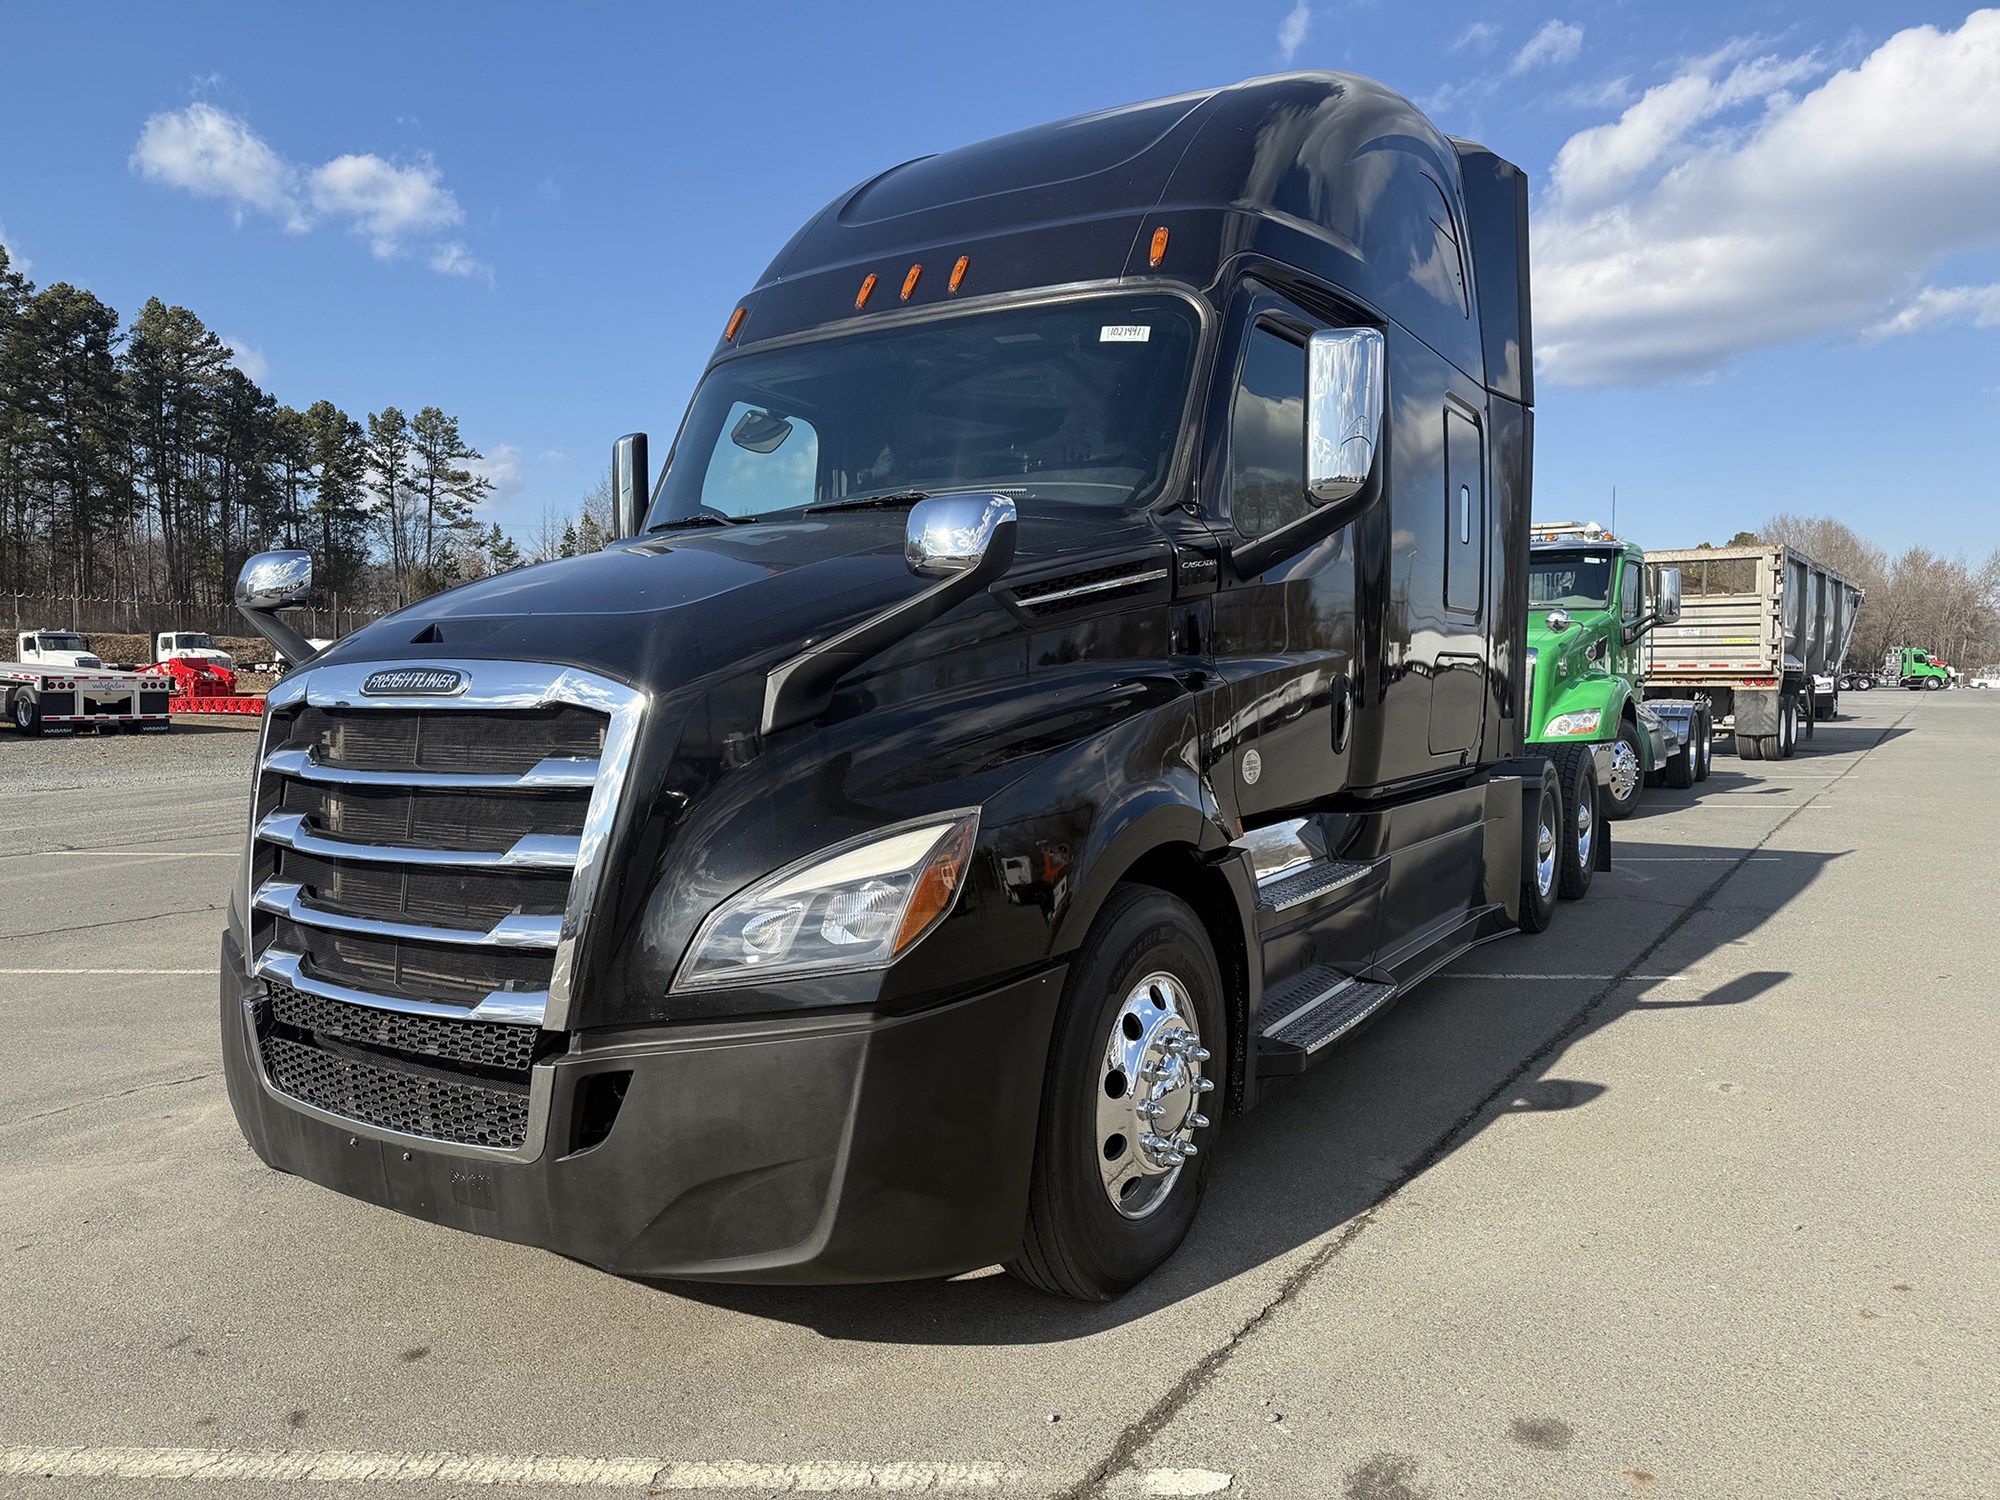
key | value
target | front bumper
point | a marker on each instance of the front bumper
(821, 1148)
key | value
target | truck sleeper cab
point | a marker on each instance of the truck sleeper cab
(1068, 674)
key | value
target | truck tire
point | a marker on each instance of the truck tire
(1788, 731)
(25, 713)
(1541, 854)
(1679, 771)
(1628, 771)
(1105, 1209)
(1579, 805)
(1705, 745)
(1750, 746)
(1831, 706)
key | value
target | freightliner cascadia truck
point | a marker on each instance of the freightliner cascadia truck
(1068, 673)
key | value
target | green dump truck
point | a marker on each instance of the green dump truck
(1591, 600)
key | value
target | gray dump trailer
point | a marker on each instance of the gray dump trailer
(1757, 625)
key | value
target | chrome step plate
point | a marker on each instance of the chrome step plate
(1308, 882)
(1311, 1011)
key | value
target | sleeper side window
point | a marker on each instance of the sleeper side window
(1628, 604)
(1267, 435)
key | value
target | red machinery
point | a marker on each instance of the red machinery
(202, 687)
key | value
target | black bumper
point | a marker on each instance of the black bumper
(819, 1149)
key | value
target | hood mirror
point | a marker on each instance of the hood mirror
(1344, 376)
(628, 484)
(269, 582)
(1558, 620)
(949, 534)
(272, 580)
(760, 431)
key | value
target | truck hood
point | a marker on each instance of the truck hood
(665, 611)
(79, 659)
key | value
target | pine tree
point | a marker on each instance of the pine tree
(339, 519)
(76, 454)
(389, 476)
(501, 553)
(172, 368)
(18, 537)
(449, 492)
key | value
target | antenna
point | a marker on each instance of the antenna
(1614, 510)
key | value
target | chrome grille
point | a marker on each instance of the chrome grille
(419, 874)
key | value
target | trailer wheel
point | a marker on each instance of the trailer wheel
(1705, 757)
(1751, 746)
(1118, 1171)
(1788, 730)
(1541, 853)
(1680, 765)
(1628, 768)
(25, 713)
(1580, 831)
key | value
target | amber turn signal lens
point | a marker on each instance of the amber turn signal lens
(735, 322)
(910, 283)
(1159, 246)
(867, 290)
(958, 273)
(936, 888)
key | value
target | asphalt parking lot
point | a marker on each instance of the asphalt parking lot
(1697, 1194)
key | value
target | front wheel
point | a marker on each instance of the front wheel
(1628, 771)
(1579, 808)
(1932, 684)
(1541, 856)
(1124, 1144)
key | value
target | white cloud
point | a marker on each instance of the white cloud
(1556, 43)
(214, 154)
(1723, 212)
(502, 468)
(248, 358)
(1479, 36)
(1292, 30)
(20, 263)
(1977, 305)
(387, 203)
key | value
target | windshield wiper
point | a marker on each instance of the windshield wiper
(699, 518)
(894, 498)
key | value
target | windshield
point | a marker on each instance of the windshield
(194, 643)
(1570, 582)
(1075, 405)
(63, 643)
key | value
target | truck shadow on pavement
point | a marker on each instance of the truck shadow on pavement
(1327, 1148)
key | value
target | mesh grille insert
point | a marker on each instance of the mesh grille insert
(486, 1044)
(471, 899)
(489, 821)
(460, 1110)
(496, 742)
(421, 971)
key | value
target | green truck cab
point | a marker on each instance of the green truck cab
(1591, 600)
(1915, 668)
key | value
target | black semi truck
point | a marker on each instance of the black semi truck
(1067, 675)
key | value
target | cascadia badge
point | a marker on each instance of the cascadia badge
(414, 682)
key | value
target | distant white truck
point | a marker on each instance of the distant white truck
(57, 681)
(190, 645)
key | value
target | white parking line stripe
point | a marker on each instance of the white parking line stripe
(210, 970)
(1649, 978)
(1693, 859)
(651, 1474)
(129, 854)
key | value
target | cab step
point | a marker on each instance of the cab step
(1312, 1010)
(1308, 882)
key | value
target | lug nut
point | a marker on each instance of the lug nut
(1197, 1122)
(1198, 1054)
(1204, 1085)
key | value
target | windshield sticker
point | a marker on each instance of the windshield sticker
(1124, 333)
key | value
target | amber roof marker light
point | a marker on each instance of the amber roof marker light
(910, 283)
(735, 322)
(1159, 246)
(867, 290)
(958, 273)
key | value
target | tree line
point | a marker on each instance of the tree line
(139, 462)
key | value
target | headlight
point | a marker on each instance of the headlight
(855, 906)
(1583, 722)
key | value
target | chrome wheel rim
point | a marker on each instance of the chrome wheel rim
(1707, 751)
(1624, 771)
(1147, 1090)
(1586, 831)
(1546, 843)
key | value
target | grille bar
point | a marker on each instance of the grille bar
(534, 851)
(552, 773)
(284, 899)
(501, 1005)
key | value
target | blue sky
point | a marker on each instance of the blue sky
(1768, 234)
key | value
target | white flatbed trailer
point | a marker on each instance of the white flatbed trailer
(39, 698)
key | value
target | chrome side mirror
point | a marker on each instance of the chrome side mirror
(948, 534)
(1666, 596)
(272, 580)
(1344, 376)
(1558, 620)
(269, 582)
(628, 484)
